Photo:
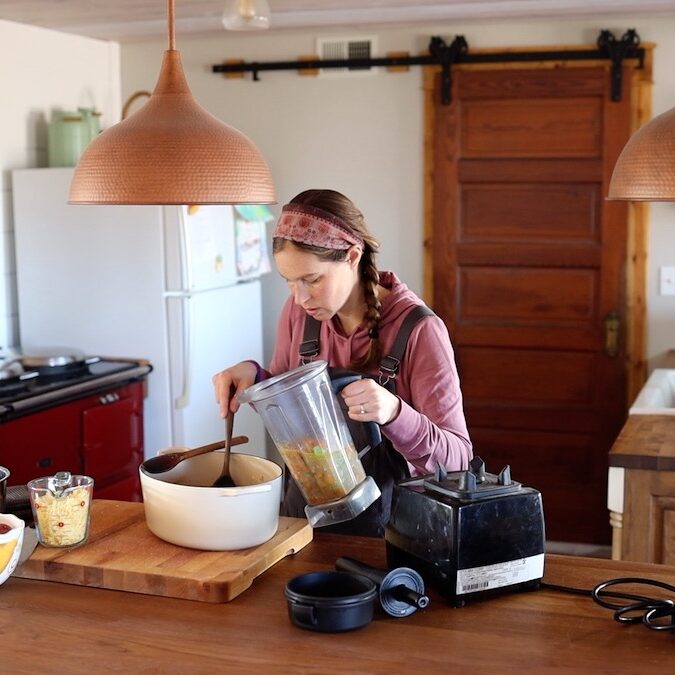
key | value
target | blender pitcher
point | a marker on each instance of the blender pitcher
(302, 415)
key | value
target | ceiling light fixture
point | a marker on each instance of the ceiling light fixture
(171, 151)
(645, 170)
(246, 15)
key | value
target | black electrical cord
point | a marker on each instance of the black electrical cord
(652, 612)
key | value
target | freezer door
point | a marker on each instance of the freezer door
(208, 332)
(200, 247)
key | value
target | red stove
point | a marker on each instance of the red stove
(63, 411)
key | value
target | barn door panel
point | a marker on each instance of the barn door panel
(528, 263)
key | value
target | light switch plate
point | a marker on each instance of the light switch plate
(667, 281)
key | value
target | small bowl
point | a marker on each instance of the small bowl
(330, 602)
(10, 545)
(182, 508)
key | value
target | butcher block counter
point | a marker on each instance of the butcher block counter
(641, 497)
(54, 627)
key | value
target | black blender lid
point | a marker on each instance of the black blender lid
(474, 483)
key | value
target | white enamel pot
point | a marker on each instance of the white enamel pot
(182, 509)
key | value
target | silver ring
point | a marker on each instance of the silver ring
(363, 410)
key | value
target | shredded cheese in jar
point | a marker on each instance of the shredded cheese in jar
(63, 520)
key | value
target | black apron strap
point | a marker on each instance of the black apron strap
(309, 347)
(391, 363)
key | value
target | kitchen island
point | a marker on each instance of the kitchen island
(50, 627)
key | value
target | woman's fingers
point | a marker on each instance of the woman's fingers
(222, 385)
(367, 401)
(233, 379)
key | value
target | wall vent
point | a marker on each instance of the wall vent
(335, 47)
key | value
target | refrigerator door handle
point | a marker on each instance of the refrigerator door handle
(185, 250)
(186, 320)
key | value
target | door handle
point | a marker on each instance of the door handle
(612, 334)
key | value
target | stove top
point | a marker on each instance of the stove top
(57, 385)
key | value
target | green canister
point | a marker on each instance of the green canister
(68, 136)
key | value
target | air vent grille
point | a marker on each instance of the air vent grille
(333, 48)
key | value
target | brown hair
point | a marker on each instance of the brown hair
(342, 207)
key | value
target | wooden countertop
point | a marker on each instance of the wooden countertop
(50, 627)
(645, 442)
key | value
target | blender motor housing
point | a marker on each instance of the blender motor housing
(468, 533)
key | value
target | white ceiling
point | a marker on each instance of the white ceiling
(126, 20)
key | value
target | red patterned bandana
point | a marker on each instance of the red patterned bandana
(316, 227)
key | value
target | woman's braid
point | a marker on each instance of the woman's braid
(370, 279)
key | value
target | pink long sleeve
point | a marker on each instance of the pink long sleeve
(430, 428)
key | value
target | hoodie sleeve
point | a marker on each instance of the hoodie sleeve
(430, 428)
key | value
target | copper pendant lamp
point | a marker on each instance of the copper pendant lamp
(645, 170)
(171, 151)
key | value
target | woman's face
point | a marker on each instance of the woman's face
(322, 288)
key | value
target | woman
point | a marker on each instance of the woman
(323, 249)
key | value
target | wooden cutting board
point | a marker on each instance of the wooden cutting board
(122, 554)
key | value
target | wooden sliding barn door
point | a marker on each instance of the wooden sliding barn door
(528, 272)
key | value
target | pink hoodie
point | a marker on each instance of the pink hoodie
(430, 427)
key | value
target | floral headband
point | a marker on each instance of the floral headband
(316, 227)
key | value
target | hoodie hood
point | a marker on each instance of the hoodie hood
(399, 300)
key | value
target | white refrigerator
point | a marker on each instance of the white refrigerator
(164, 283)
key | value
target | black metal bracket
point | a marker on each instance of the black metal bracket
(444, 55)
(617, 51)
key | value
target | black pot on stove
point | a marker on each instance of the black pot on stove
(56, 361)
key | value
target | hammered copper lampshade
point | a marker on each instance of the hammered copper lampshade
(171, 151)
(645, 170)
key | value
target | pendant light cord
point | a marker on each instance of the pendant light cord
(172, 24)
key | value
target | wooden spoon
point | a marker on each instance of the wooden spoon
(225, 480)
(166, 462)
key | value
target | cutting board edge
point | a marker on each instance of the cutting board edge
(52, 565)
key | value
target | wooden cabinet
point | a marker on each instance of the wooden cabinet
(99, 435)
(112, 442)
(642, 478)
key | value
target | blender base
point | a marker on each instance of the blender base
(345, 508)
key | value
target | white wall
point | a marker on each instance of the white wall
(41, 71)
(358, 134)
(363, 134)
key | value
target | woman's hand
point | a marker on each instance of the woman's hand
(369, 402)
(232, 381)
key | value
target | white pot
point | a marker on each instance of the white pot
(181, 510)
